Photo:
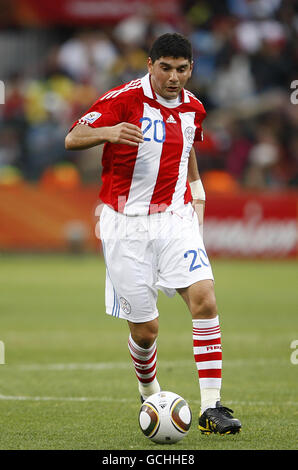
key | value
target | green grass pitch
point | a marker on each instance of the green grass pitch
(68, 382)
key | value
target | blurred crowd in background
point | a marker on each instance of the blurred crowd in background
(245, 62)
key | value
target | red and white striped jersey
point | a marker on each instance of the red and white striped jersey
(151, 177)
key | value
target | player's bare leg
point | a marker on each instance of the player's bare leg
(144, 334)
(201, 301)
(142, 348)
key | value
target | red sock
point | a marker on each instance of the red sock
(144, 361)
(208, 354)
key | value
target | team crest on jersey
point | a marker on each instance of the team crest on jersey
(189, 134)
(125, 305)
(90, 117)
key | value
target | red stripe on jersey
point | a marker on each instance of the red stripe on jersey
(122, 88)
(118, 163)
(187, 195)
(169, 163)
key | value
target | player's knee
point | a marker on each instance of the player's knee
(145, 334)
(204, 307)
(146, 339)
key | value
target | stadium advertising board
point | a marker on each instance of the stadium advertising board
(90, 12)
(236, 224)
(249, 225)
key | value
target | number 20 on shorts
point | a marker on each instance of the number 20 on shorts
(198, 258)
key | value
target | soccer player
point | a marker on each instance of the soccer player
(151, 223)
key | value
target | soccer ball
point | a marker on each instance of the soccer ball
(165, 417)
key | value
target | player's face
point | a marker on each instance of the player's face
(169, 75)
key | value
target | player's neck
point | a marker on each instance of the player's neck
(169, 102)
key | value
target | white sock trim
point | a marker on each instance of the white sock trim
(139, 352)
(135, 345)
(206, 322)
(209, 397)
(149, 389)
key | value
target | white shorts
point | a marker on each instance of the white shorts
(162, 251)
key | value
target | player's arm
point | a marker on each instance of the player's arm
(83, 137)
(196, 187)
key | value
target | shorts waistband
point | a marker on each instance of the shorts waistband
(159, 214)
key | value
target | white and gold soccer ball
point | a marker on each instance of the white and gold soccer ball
(165, 417)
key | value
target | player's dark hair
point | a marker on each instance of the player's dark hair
(171, 45)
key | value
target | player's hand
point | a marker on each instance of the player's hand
(125, 133)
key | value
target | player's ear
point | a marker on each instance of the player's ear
(149, 65)
(191, 68)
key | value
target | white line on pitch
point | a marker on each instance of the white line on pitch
(93, 365)
(128, 365)
(75, 366)
(127, 400)
(80, 399)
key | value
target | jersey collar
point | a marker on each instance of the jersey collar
(150, 93)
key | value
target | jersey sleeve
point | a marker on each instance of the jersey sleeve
(102, 113)
(200, 116)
